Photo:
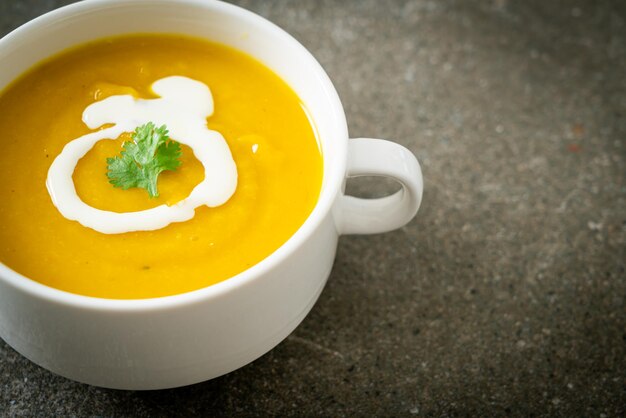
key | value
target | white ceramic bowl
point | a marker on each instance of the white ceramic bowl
(183, 339)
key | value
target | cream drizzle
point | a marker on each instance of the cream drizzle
(183, 106)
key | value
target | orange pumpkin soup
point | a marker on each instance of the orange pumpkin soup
(265, 125)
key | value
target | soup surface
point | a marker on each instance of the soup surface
(272, 142)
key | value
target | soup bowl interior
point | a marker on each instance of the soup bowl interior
(215, 21)
(180, 339)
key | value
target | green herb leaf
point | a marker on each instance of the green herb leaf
(142, 160)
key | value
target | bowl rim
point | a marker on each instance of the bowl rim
(329, 190)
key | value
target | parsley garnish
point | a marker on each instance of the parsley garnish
(142, 160)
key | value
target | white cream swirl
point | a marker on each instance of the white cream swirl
(183, 106)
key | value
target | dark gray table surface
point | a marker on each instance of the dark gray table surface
(506, 295)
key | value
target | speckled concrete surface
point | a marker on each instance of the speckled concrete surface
(506, 295)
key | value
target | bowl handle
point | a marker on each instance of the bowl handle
(377, 157)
